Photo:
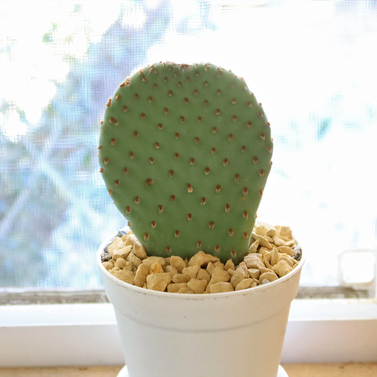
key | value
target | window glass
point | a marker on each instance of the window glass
(311, 63)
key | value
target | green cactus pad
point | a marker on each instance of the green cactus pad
(185, 151)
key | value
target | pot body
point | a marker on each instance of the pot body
(238, 334)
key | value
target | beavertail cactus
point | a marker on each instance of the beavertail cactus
(185, 151)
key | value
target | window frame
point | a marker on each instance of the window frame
(318, 331)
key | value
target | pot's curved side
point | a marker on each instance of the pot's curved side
(236, 334)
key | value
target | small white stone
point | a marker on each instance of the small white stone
(202, 259)
(150, 260)
(134, 259)
(123, 252)
(271, 232)
(171, 270)
(121, 263)
(203, 275)
(175, 287)
(117, 243)
(219, 275)
(192, 271)
(243, 269)
(254, 261)
(237, 277)
(270, 276)
(185, 290)
(210, 268)
(286, 250)
(254, 273)
(158, 282)
(181, 278)
(177, 262)
(244, 284)
(139, 251)
(197, 286)
(221, 287)
(253, 248)
(141, 274)
(156, 268)
(124, 275)
(262, 240)
(274, 256)
(285, 232)
(278, 241)
(260, 230)
(108, 265)
(229, 265)
(282, 268)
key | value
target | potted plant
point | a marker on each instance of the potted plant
(185, 152)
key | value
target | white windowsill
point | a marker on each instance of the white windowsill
(326, 331)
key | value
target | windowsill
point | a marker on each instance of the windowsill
(319, 331)
(294, 370)
(36, 296)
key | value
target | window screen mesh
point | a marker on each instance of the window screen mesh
(311, 63)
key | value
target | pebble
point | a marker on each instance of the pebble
(272, 255)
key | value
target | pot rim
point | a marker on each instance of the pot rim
(190, 296)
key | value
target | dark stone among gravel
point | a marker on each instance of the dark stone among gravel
(105, 257)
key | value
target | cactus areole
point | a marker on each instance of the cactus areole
(185, 152)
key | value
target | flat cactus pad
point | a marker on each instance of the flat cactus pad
(185, 151)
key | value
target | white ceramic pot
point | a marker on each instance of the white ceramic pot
(238, 334)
